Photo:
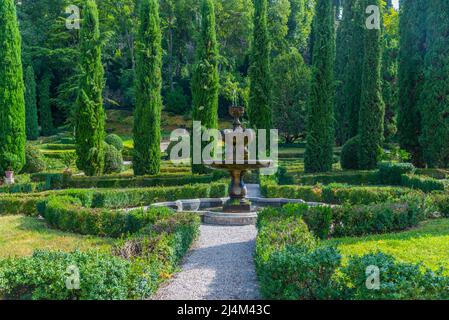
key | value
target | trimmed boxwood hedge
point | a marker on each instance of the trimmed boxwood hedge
(27, 204)
(333, 193)
(152, 244)
(292, 265)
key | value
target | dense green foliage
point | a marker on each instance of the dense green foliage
(349, 158)
(348, 71)
(32, 126)
(34, 160)
(411, 75)
(372, 108)
(291, 78)
(390, 173)
(147, 116)
(113, 160)
(45, 113)
(291, 265)
(205, 77)
(12, 100)
(320, 121)
(89, 129)
(433, 102)
(259, 108)
(114, 140)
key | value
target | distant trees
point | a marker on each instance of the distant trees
(434, 100)
(372, 108)
(205, 75)
(320, 130)
(89, 128)
(259, 109)
(45, 116)
(32, 127)
(12, 101)
(291, 82)
(147, 116)
(412, 51)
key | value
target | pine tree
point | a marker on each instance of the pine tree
(32, 128)
(12, 101)
(45, 115)
(348, 71)
(412, 30)
(147, 117)
(434, 101)
(205, 75)
(89, 128)
(259, 109)
(320, 132)
(372, 108)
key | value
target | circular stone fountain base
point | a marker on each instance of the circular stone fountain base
(230, 219)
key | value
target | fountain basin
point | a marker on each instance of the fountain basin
(211, 212)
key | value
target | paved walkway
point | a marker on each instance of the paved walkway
(219, 266)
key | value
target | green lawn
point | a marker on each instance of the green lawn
(428, 243)
(20, 235)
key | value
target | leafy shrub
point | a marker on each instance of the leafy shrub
(113, 161)
(299, 273)
(422, 183)
(397, 280)
(34, 160)
(176, 101)
(349, 177)
(43, 276)
(333, 193)
(66, 213)
(376, 218)
(349, 158)
(438, 202)
(22, 188)
(114, 140)
(54, 146)
(390, 173)
(9, 161)
(282, 177)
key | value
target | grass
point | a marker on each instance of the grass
(428, 243)
(20, 236)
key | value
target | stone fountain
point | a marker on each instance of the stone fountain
(238, 203)
(238, 209)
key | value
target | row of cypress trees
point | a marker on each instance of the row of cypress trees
(359, 107)
(423, 81)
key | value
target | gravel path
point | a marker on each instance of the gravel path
(219, 266)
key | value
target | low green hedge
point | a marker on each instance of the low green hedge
(333, 193)
(55, 146)
(134, 269)
(389, 173)
(67, 214)
(26, 204)
(23, 187)
(292, 265)
(347, 177)
(423, 183)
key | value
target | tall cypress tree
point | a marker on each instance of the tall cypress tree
(412, 28)
(147, 117)
(45, 115)
(205, 75)
(372, 109)
(12, 101)
(89, 127)
(259, 109)
(434, 101)
(32, 128)
(320, 131)
(348, 67)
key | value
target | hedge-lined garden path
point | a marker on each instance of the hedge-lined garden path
(219, 266)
